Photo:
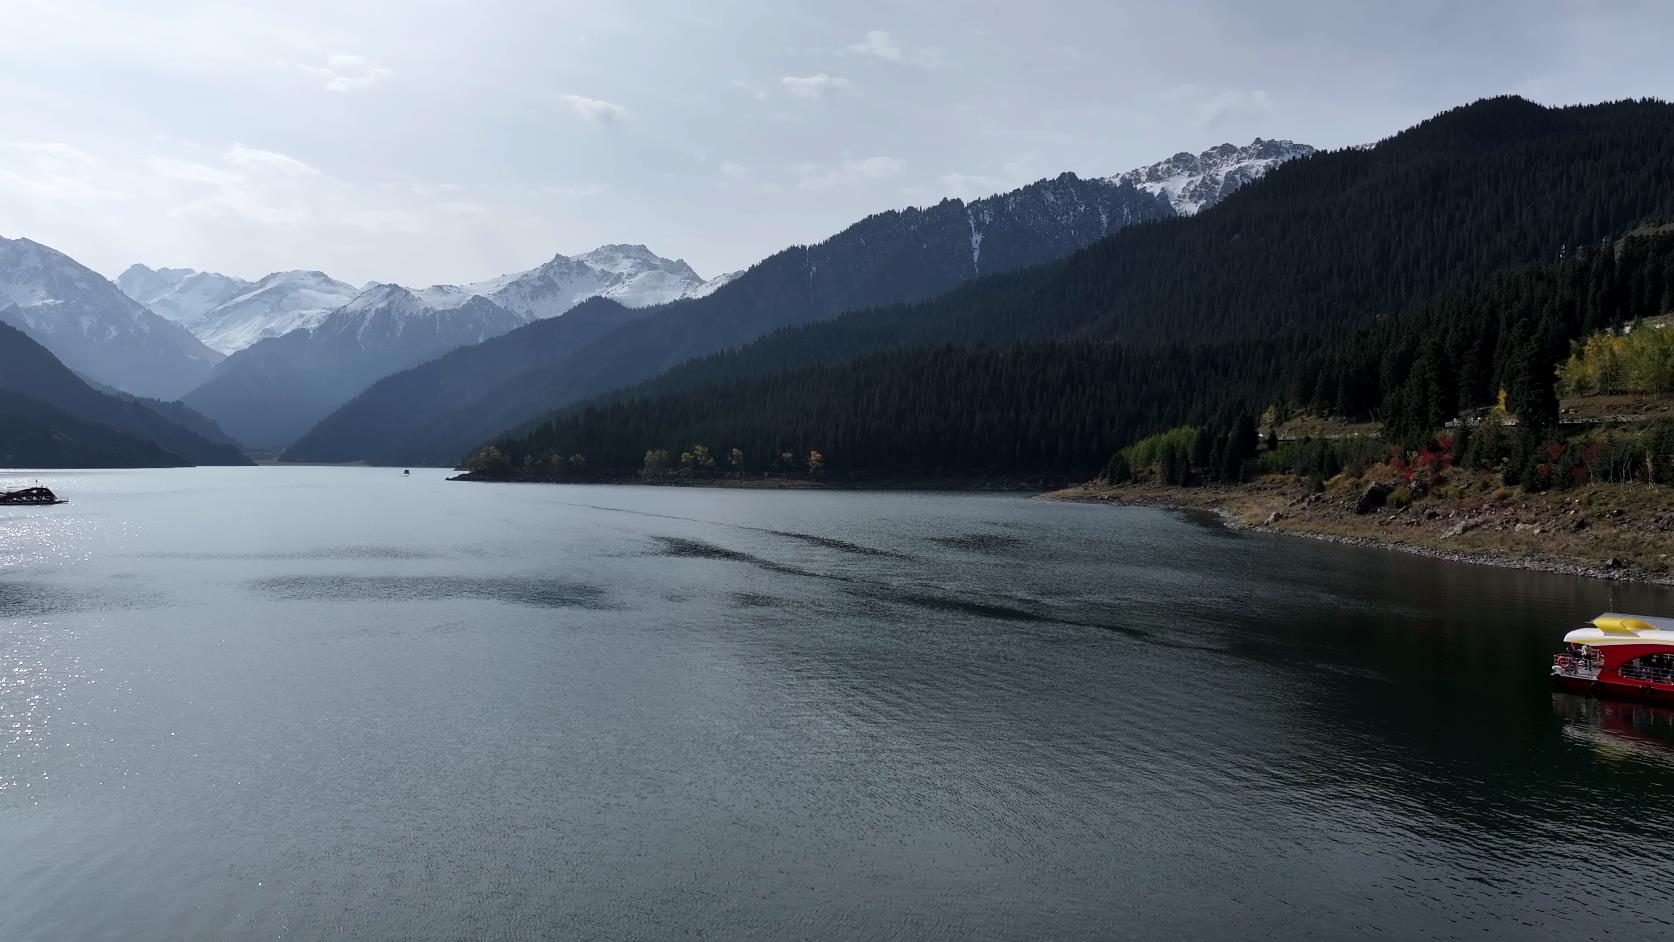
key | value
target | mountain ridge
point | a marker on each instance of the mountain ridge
(93, 327)
(924, 250)
(29, 370)
(1321, 283)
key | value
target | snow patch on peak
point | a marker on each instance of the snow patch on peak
(276, 304)
(377, 295)
(1194, 182)
(714, 284)
(635, 259)
(631, 275)
(145, 284)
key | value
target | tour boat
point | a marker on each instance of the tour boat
(1619, 656)
(31, 495)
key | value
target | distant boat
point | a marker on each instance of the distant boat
(31, 495)
(406, 472)
(1619, 655)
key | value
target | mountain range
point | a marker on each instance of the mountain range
(93, 327)
(185, 296)
(1444, 268)
(271, 391)
(231, 314)
(268, 359)
(455, 402)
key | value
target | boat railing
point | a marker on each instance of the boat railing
(1655, 675)
(1580, 668)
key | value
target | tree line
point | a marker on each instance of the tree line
(1403, 283)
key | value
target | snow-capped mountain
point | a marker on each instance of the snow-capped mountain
(278, 382)
(182, 295)
(145, 284)
(712, 285)
(386, 317)
(435, 412)
(296, 300)
(631, 275)
(274, 390)
(272, 306)
(93, 327)
(1193, 182)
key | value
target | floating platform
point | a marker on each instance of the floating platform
(31, 495)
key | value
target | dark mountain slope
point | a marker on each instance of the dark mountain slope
(1330, 240)
(378, 425)
(895, 256)
(34, 434)
(269, 394)
(30, 370)
(1318, 248)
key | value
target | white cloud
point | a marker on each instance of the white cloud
(813, 86)
(348, 73)
(173, 168)
(49, 173)
(249, 184)
(850, 172)
(596, 110)
(240, 156)
(879, 45)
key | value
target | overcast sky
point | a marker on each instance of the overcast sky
(448, 140)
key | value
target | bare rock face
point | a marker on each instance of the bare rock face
(1374, 498)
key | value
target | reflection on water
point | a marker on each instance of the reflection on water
(304, 703)
(1618, 730)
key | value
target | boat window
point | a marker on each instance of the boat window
(1657, 668)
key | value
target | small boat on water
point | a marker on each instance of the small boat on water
(31, 495)
(1617, 655)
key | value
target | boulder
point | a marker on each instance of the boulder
(1461, 527)
(1375, 497)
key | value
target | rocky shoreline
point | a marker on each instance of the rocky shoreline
(1493, 531)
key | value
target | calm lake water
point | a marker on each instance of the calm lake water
(300, 703)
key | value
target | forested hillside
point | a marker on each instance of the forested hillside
(895, 256)
(87, 424)
(34, 434)
(1407, 279)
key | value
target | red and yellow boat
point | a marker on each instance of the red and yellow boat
(1617, 655)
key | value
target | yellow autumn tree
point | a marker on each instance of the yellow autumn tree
(1500, 409)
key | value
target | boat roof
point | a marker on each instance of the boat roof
(1624, 620)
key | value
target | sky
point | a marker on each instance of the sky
(443, 141)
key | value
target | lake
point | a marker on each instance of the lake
(299, 703)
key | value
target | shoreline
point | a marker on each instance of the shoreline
(1283, 508)
(1037, 485)
(1264, 511)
